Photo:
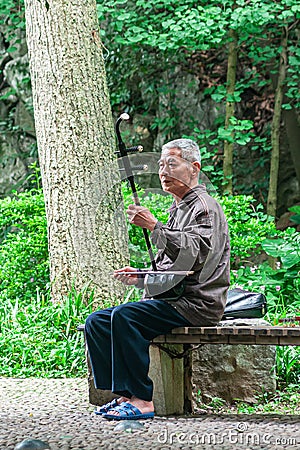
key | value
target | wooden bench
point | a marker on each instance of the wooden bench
(171, 361)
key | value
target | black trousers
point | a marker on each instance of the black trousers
(118, 340)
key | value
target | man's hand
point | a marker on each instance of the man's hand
(142, 217)
(129, 280)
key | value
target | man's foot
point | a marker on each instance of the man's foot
(122, 399)
(143, 408)
(110, 405)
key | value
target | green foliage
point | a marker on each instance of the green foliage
(285, 401)
(248, 226)
(287, 248)
(150, 44)
(12, 15)
(280, 285)
(40, 338)
(286, 277)
(24, 267)
(143, 39)
(179, 29)
(173, 25)
(288, 365)
(240, 132)
(23, 239)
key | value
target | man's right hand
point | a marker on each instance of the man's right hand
(142, 217)
(129, 280)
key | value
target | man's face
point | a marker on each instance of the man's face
(177, 176)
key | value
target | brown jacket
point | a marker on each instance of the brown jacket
(196, 238)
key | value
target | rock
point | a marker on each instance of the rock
(233, 372)
(32, 444)
(285, 221)
(128, 425)
(24, 118)
(17, 133)
(16, 73)
(14, 163)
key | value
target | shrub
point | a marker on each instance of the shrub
(248, 225)
(282, 289)
(24, 266)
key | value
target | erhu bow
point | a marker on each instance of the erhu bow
(123, 154)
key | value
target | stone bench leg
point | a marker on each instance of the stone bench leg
(168, 380)
(97, 397)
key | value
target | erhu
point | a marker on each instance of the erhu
(159, 284)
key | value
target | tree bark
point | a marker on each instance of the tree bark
(275, 127)
(228, 146)
(75, 136)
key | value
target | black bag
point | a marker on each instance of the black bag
(164, 286)
(244, 305)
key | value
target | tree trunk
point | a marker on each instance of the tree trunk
(275, 128)
(231, 76)
(75, 136)
(292, 126)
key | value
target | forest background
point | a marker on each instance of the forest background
(223, 73)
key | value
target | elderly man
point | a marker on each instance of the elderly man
(195, 239)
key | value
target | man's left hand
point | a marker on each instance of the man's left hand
(142, 217)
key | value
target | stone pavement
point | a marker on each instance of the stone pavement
(57, 411)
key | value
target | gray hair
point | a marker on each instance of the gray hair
(189, 149)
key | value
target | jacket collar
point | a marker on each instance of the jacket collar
(189, 196)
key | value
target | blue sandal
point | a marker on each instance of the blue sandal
(127, 411)
(105, 408)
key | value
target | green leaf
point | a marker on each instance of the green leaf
(271, 246)
(285, 249)
(11, 49)
(290, 259)
(295, 208)
(243, 140)
(218, 97)
(207, 168)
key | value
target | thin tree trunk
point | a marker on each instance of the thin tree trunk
(292, 126)
(76, 143)
(228, 146)
(275, 128)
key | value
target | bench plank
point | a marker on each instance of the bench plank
(234, 335)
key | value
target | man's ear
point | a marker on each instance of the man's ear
(196, 167)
